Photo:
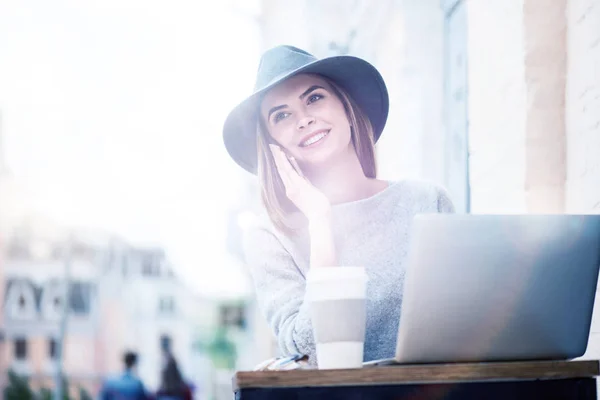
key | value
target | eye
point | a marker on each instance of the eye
(280, 115)
(314, 97)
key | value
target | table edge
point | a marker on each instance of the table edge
(418, 374)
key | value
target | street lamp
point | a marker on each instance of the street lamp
(58, 383)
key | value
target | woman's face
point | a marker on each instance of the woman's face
(305, 117)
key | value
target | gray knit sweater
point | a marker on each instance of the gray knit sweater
(373, 233)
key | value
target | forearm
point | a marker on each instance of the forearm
(280, 288)
(322, 244)
(294, 331)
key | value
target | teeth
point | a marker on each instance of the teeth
(314, 139)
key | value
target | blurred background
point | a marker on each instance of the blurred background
(121, 213)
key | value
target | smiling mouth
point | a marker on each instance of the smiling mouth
(314, 139)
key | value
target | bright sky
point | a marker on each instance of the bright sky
(112, 113)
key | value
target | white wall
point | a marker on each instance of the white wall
(583, 123)
(497, 106)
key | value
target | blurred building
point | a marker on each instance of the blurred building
(14, 207)
(162, 313)
(497, 100)
(35, 292)
(119, 297)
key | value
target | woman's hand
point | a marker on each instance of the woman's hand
(315, 206)
(309, 200)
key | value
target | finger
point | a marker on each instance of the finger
(296, 166)
(287, 166)
(292, 180)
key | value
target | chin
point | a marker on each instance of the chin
(323, 158)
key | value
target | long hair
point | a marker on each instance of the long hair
(172, 382)
(278, 205)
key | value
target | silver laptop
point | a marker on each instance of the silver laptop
(485, 288)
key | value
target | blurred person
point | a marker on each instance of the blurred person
(172, 386)
(127, 386)
(309, 131)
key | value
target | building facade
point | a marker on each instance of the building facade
(119, 298)
(40, 280)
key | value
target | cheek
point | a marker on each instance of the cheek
(283, 138)
(344, 125)
(345, 137)
(341, 118)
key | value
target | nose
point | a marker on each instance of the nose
(304, 122)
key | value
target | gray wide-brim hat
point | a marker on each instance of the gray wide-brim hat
(360, 79)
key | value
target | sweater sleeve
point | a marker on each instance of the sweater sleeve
(280, 289)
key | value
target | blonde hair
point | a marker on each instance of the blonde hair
(278, 205)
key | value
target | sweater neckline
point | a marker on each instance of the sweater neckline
(366, 200)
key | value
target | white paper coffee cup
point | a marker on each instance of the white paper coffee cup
(337, 302)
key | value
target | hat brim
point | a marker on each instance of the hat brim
(360, 79)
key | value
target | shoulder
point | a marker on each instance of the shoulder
(262, 241)
(260, 230)
(139, 383)
(133, 383)
(423, 194)
(112, 380)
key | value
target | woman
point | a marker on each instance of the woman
(309, 131)
(172, 385)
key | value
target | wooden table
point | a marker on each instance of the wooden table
(513, 380)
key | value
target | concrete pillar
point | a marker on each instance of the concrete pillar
(545, 75)
(497, 106)
(517, 68)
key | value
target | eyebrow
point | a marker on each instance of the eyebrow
(276, 108)
(310, 90)
(303, 95)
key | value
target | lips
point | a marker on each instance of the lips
(314, 137)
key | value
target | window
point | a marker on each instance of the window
(21, 299)
(20, 349)
(149, 267)
(146, 269)
(52, 300)
(56, 308)
(80, 298)
(166, 305)
(233, 315)
(152, 263)
(52, 349)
